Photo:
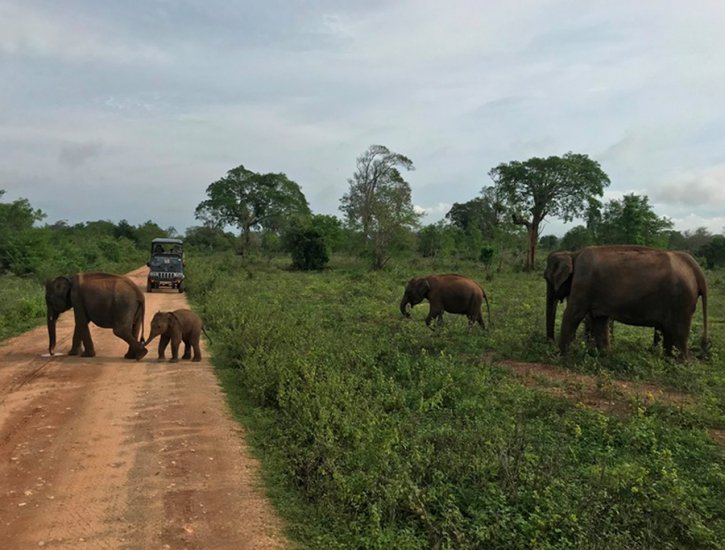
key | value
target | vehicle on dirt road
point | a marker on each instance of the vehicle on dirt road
(166, 265)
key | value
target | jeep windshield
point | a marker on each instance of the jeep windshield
(166, 264)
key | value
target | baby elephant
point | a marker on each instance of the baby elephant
(452, 293)
(175, 326)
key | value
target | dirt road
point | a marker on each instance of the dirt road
(104, 452)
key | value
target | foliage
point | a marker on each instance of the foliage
(714, 252)
(576, 238)
(249, 200)
(564, 187)
(405, 437)
(378, 202)
(307, 245)
(631, 220)
(436, 240)
(483, 214)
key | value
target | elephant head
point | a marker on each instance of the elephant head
(415, 292)
(161, 323)
(558, 274)
(57, 300)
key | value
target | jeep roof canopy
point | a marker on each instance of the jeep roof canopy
(167, 246)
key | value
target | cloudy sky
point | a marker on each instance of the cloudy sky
(129, 109)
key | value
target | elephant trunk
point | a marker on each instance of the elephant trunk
(152, 335)
(405, 306)
(52, 318)
(550, 311)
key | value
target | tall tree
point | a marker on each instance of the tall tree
(379, 200)
(482, 213)
(631, 220)
(566, 187)
(249, 200)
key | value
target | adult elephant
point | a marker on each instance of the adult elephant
(109, 301)
(635, 285)
(450, 292)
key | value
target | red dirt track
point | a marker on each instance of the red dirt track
(105, 452)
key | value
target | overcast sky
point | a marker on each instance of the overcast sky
(130, 109)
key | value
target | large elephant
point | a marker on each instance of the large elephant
(634, 285)
(182, 325)
(109, 301)
(450, 292)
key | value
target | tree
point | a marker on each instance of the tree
(379, 201)
(714, 252)
(19, 240)
(482, 214)
(631, 220)
(436, 240)
(576, 238)
(249, 200)
(565, 187)
(307, 245)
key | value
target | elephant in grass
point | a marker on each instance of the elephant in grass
(182, 325)
(449, 292)
(634, 285)
(109, 301)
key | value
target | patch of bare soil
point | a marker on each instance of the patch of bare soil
(105, 452)
(606, 395)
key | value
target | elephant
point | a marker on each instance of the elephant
(177, 326)
(447, 292)
(109, 301)
(630, 284)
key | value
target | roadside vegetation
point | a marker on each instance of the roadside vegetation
(376, 431)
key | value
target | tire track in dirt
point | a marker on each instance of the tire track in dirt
(108, 453)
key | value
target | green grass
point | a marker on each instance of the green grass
(22, 305)
(376, 432)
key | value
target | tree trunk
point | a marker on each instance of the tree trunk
(533, 231)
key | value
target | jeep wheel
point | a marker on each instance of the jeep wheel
(181, 287)
(148, 287)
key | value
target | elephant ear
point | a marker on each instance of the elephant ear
(422, 286)
(563, 270)
(173, 319)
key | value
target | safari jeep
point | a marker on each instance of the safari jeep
(166, 265)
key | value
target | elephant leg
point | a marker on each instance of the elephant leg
(187, 350)
(76, 346)
(680, 340)
(667, 342)
(570, 322)
(600, 331)
(197, 350)
(175, 342)
(163, 342)
(135, 349)
(85, 334)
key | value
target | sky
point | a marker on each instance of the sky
(130, 109)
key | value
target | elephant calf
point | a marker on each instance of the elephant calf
(175, 327)
(450, 292)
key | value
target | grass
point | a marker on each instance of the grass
(22, 305)
(376, 432)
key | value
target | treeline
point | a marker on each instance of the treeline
(501, 226)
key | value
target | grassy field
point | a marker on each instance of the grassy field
(22, 305)
(377, 432)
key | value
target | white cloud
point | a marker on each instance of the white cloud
(32, 32)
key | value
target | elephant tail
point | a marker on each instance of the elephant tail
(205, 334)
(488, 309)
(705, 342)
(140, 314)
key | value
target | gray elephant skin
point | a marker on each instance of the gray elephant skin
(109, 301)
(182, 325)
(449, 292)
(634, 285)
